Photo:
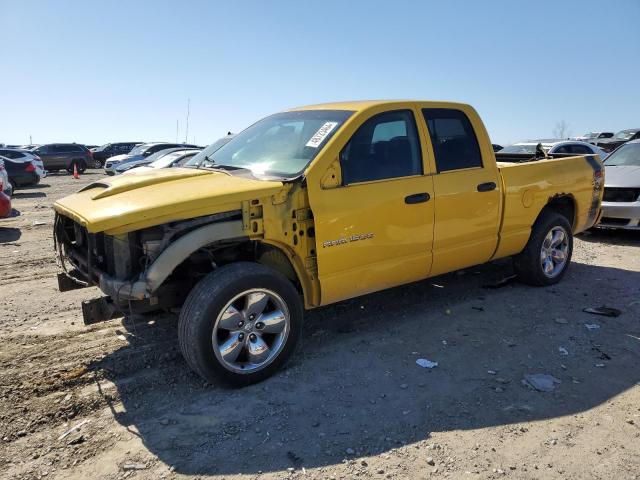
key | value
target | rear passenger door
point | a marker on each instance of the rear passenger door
(466, 191)
(374, 230)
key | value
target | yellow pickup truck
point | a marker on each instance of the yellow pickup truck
(312, 206)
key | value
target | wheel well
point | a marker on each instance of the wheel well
(207, 259)
(564, 205)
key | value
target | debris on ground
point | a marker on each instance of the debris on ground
(502, 283)
(541, 382)
(592, 326)
(72, 429)
(563, 351)
(424, 363)
(562, 321)
(134, 466)
(604, 311)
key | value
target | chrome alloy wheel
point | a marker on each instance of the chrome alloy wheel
(553, 254)
(251, 330)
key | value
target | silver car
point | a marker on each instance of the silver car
(553, 146)
(621, 202)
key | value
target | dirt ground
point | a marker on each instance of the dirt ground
(352, 403)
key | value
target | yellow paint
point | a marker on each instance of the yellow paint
(345, 241)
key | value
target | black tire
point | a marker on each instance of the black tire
(528, 264)
(206, 302)
(81, 165)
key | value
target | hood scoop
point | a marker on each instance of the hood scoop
(125, 183)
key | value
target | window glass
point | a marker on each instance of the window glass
(563, 149)
(581, 150)
(60, 149)
(385, 146)
(454, 141)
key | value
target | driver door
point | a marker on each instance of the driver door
(375, 229)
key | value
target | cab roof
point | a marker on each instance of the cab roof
(361, 105)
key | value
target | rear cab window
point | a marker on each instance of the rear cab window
(453, 139)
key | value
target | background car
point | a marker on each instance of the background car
(593, 136)
(5, 201)
(24, 156)
(623, 136)
(7, 188)
(202, 155)
(64, 156)
(140, 152)
(22, 173)
(108, 150)
(621, 200)
(555, 147)
(162, 159)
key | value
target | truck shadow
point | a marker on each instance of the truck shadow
(354, 388)
(628, 238)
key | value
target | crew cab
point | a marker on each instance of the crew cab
(312, 206)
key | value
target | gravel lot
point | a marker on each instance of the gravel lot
(352, 403)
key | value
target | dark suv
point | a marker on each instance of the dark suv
(63, 156)
(108, 150)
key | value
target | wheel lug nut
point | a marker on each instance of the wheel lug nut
(241, 336)
(259, 325)
(241, 323)
(252, 316)
(252, 337)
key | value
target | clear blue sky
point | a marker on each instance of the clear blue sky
(99, 71)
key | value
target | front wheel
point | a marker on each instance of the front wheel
(240, 324)
(545, 259)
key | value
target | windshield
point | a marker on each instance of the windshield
(528, 149)
(590, 135)
(200, 156)
(628, 155)
(160, 153)
(139, 150)
(281, 145)
(167, 159)
(624, 135)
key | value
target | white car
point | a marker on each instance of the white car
(551, 147)
(593, 136)
(21, 155)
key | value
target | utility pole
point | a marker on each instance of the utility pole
(30, 141)
(177, 123)
(186, 133)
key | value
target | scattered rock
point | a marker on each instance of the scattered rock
(351, 451)
(430, 461)
(592, 326)
(424, 363)
(540, 382)
(134, 466)
(561, 321)
(404, 386)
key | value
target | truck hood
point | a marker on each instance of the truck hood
(130, 202)
(621, 176)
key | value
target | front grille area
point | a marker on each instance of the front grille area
(612, 194)
(92, 254)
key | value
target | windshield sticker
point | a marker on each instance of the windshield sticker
(321, 134)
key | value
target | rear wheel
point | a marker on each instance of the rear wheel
(240, 324)
(545, 259)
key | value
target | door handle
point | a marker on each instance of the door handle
(487, 187)
(417, 198)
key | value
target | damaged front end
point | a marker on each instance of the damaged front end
(143, 270)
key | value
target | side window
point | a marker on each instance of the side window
(41, 150)
(581, 150)
(385, 146)
(454, 141)
(60, 149)
(563, 149)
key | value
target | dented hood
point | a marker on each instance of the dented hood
(146, 198)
